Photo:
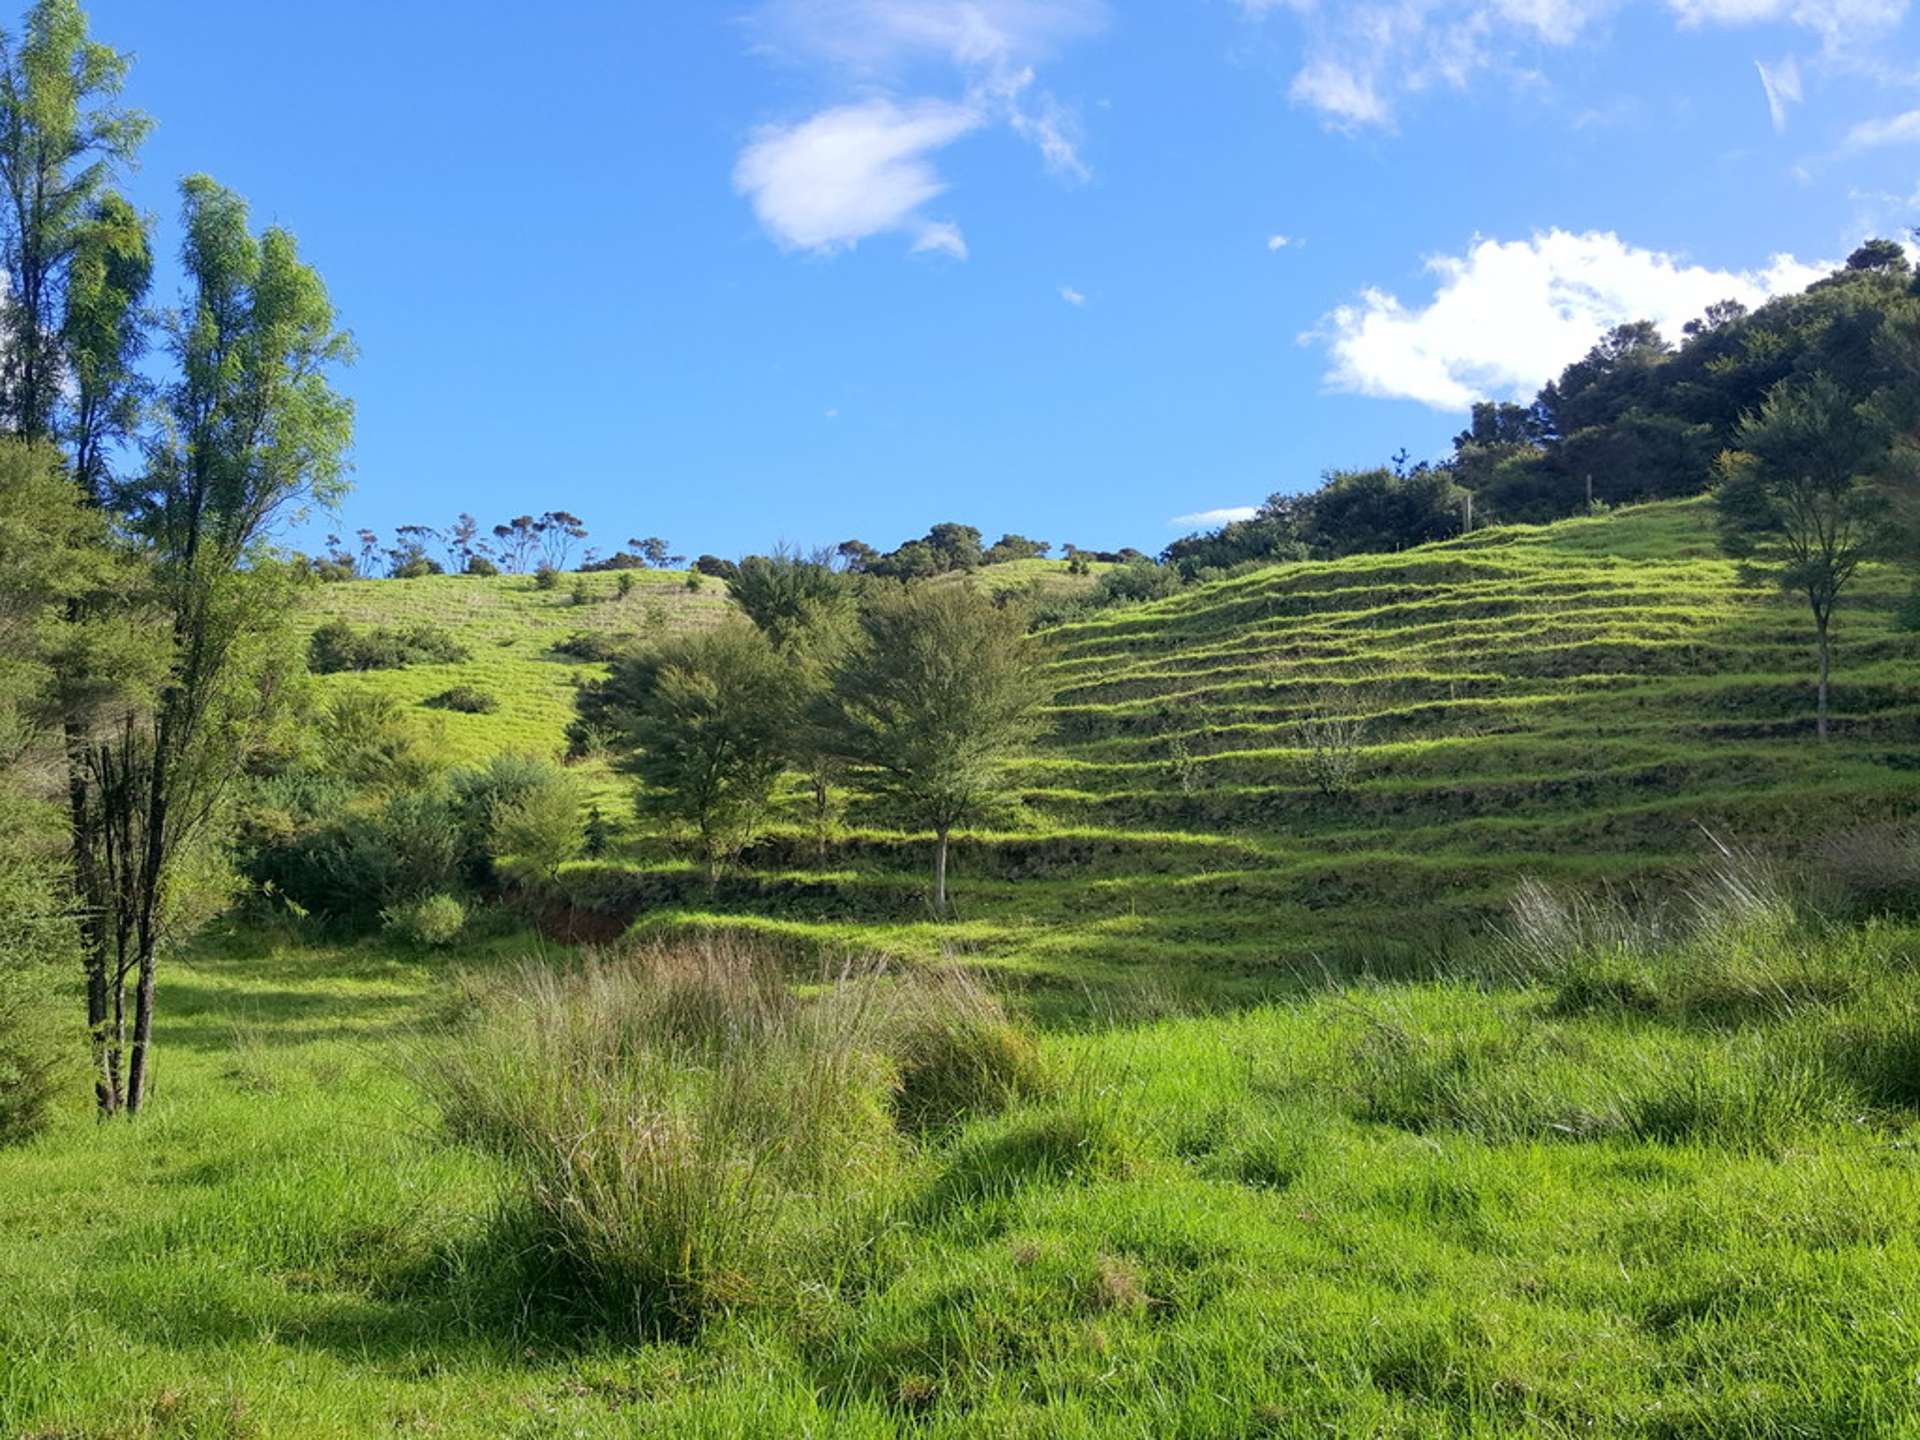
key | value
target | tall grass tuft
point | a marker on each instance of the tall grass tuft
(691, 1136)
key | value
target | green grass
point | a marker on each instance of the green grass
(1392, 1209)
(1315, 1160)
(1577, 700)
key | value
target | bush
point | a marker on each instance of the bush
(480, 797)
(546, 578)
(1140, 580)
(432, 922)
(336, 646)
(688, 1136)
(598, 646)
(480, 565)
(465, 699)
(30, 1060)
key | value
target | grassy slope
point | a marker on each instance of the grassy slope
(1366, 1210)
(1577, 700)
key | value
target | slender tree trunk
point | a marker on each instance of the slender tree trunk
(940, 873)
(142, 1032)
(1826, 670)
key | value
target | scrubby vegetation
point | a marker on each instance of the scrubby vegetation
(1411, 971)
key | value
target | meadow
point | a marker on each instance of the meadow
(1544, 1069)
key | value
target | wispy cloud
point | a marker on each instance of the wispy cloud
(1280, 242)
(1901, 129)
(1360, 61)
(1507, 316)
(1072, 296)
(1781, 82)
(1214, 519)
(864, 167)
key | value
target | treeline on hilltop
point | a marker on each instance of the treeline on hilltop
(1638, 417)
(546, 543)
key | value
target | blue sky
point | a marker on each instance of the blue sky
(809, 269)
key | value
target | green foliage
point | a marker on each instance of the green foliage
(74, 252)
(538, 830)
(942, 693)
(432, 922)
(546, 578)
(1800, 503)
(788, 596)
(337, 646)
(1137, 581)
(464, 699)
(707, 723)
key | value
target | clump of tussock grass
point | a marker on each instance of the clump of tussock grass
(1872, 867)
(956, 1054)
(1736, 943)
(691, 1136)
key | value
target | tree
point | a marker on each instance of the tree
(1373, 510)
(558, 531)
(251, 428)
(706, 722)
(458, 538)
(1800, 502)
(103, 336)
(61, 139)
(1015, 547)
(518, 540)
(942, 691)
(807, 612)
(408, 558)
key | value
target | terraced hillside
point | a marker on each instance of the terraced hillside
(1581, 700)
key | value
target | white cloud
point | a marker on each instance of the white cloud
(1279, 242)
(1072, 296)
(1782, 85)
(1508, 316)
(862, 168)
(1892, 130)
(851, 172)
(1359, 60)
(1214, 519)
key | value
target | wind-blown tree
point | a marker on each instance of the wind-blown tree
(251, 427)
(706, 722)
(458, 538)
(1801, 503)
(559, 531)
(517, 542)
(61, 139)
(942, 691)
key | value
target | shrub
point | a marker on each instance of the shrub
(598, 646)
(30, 1061)
(623, 587)
(582, 593)
(479, 797)
(480, 565)
(432, 922)
(336, 646)
(687, 1135)
(546, 578)
(465, 699)
(1137, 581)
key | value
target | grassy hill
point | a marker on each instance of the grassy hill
(1609, 1178)
(1579, 701)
